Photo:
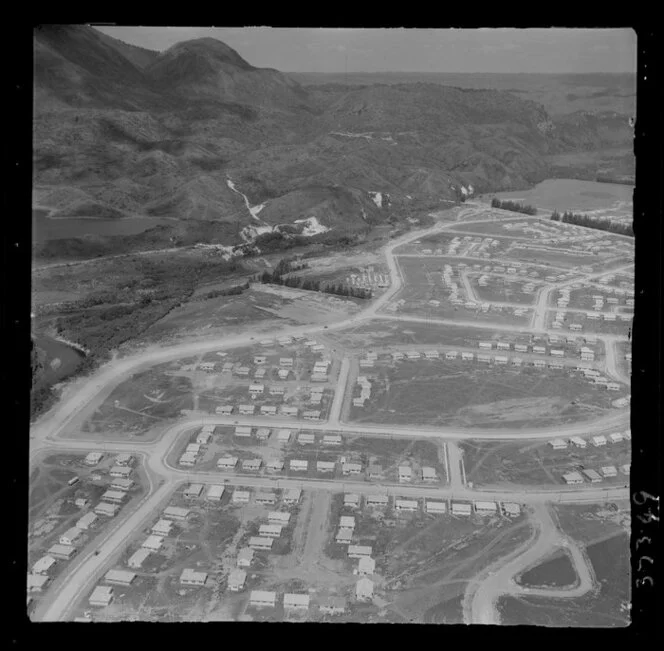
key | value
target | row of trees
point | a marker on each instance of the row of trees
(514, 206)
(279, 276)
(568, 217)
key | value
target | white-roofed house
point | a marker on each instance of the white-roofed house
(295, 601)
(364, 589)
(366, 566)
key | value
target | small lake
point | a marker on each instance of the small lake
(609, 199)
(69, 357)
(44, 228)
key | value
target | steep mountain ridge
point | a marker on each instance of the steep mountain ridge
(119, 131)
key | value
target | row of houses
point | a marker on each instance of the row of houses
(597, 441)
(287, 411)
(573, 478)
(511, 509)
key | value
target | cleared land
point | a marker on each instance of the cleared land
(488, 463)
(607, 606)
(454, 392)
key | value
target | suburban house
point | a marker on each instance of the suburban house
(292, 496)
(374, 472)
(193, 578)
(344, 536)
(366, 566)
(521, 348)
(577, 442)
(214, 493)
(311, 415)
(93, 458)
(351, 468)
(270, 530)
(81, 502)
(279, 517)
(511, 509)
(193, 491)
(265, 497)
(592, 475)
(358, 551)
(331, 439)
(268, 410)
(413, 354)
(187, 459)
(377, 500)
(503, 345)
(119, 577)
(283, 435)
(624, 469)
(558, 444)
(102, 596)
(44, 564)
(260, 372)
(435, 507)
(429, 474)
(304, 439)
(224, 410)
(347, 522)
(485, 345)
(260, 359)
(283, 373)
(36, 582)
(539, 363)
(246, 410)
(286, 362)
(120, 471)
(277, 390)
(226, 463)
(162, 527)
(275, 465)
(299, 465)
(289, 411)
(242, 431)
(352, 500)
(501, 359)
(459, 508)
(364, 589)
(241, 497)
(294, 601)
(405, 474)
(467, 357)
(608, 471)
(236, 580)
(245, 557)
(203, 438)
(451, 354)
(123, 459)
(262, 598)
(572, 478)
(153, 543)
(106, 508)
(616, 437)
(325, 466)
(122, 484)
(176, 512)
(257, 542)
(87, 520)
(70, 536)
(406, 505)
(284, 341)
(486, 508)
(62, 551)
(431, 354)
(252, 465)
(332, 605)
(599, 440)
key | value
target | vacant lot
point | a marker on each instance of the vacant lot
(448, 392)
(594, 522)
(607, 606)
(146, 399)
(537, 462)
(502, 290)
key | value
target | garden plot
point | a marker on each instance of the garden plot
(537, 463)
(460, 393)
(568, 320)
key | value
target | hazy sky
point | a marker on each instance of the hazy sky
(409, 50)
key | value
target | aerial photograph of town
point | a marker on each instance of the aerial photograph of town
(332, 325)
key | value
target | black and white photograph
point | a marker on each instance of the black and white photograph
(332, 325)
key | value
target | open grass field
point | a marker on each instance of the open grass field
(593, 523)
(489, 463)
(578, 196)
(394, 334)
(146, 399)
(607, 606)
(458, 393)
